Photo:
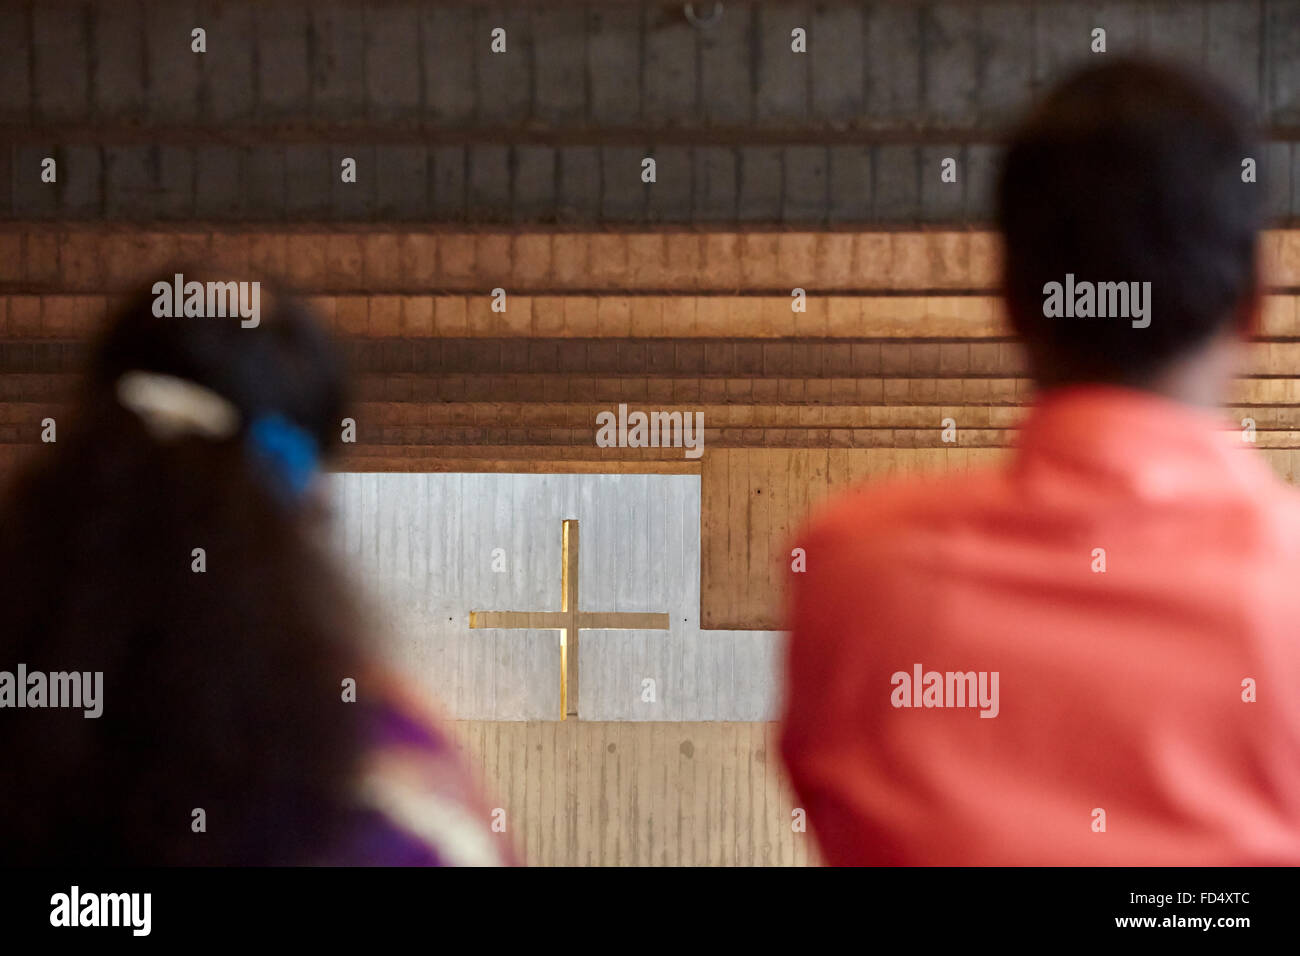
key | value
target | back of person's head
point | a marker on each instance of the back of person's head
(1127, 172)
(167, 540)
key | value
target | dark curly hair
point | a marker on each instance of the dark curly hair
(221, 689)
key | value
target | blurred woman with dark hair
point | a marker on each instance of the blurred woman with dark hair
(173, 542)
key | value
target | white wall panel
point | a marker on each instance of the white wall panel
(423, 544)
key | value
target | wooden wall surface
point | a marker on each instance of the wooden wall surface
(638, 794)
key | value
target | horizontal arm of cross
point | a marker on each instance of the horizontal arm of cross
(559, 620)
(533, 620)
(622, 621)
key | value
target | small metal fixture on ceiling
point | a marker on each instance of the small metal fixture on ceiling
(702, 22)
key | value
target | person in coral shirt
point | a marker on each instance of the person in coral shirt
(1088, 654)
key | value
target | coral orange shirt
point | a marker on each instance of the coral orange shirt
(1052, 662)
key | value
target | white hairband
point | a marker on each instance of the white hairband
(171, 407)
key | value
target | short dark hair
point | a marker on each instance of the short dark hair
(1131, 171)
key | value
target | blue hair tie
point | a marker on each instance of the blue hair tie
(287, 452)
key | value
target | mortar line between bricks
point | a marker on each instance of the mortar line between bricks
(57, 289)
(701, 341)
(607, 292)
(344, 227)
(232, 227)
(539, 292)
(252, 136)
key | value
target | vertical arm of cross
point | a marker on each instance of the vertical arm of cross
(569, 607)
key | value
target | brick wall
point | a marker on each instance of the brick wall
(522, 171)
(554, 129)
(901, 331)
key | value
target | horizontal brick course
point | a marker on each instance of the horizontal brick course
(904, 318)
(808, 186)
(869, 65)
(402, 261)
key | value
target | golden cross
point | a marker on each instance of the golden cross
(569, 620)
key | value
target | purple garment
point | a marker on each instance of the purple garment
(373, 838)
